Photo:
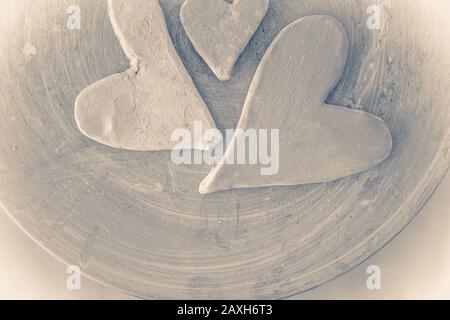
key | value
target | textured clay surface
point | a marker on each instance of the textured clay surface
(140, 108)
(318, 142)
(136, 221)
(220, 30)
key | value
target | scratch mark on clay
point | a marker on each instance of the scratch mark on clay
(237, 210)
(170, 183)
(88, 244)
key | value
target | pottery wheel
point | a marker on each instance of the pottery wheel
(136, 222)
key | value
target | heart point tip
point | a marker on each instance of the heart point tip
(204, 188)
(208, 185)
(222, 75)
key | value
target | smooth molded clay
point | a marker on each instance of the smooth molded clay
(140, 108)
(220, 30)
(318, 142)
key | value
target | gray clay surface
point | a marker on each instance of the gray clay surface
(318, 142)
(136, 221)
(220, 30)
(140, 108)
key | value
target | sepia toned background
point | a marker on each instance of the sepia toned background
(414, 265)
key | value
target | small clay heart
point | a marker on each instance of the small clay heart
(220, 30)
(318, 142)
(140, 108)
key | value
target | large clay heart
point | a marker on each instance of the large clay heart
(220, 30)
(318, 142)
(140, 108)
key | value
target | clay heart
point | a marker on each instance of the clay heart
(318, 142)
(140, 108)
(220, 31)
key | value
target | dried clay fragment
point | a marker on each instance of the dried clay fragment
(140, 108)
(317, 142)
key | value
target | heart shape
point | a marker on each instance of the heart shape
(220, 31)
(140, 108)
(318, 142)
